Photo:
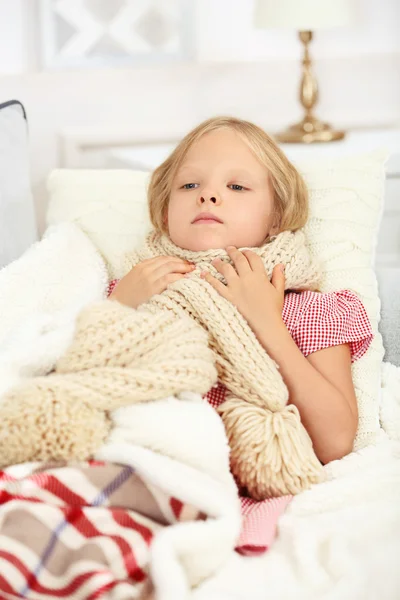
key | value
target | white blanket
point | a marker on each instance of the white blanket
(339, 540)
(177, 444)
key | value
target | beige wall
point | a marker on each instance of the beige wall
(358, 87)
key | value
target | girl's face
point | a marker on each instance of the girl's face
(221, 196)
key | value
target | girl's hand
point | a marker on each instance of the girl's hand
(149, 278)
(258, 299)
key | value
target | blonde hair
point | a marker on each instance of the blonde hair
(290, 190)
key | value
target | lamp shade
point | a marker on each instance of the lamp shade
(303, 15)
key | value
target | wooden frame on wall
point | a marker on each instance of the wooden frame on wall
(98, 33)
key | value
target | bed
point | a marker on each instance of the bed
(340, 539)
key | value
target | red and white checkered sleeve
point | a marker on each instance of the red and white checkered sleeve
(330, 320)
(111, 286)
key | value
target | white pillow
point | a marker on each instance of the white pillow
(108, 205)
(346, 205)
(346, 198)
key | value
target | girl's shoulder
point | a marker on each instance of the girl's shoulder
(319, 320)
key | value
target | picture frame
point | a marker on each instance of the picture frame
(99, 33)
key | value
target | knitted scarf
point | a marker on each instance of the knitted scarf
(271, 452)
(118, 357)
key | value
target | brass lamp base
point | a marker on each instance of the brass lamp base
(308, 131)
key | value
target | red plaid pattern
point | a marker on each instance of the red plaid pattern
(315, 321)
(81, 530)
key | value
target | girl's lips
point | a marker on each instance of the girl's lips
(206, 218)
(206, 221)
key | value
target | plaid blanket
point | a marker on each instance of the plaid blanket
(80, 531)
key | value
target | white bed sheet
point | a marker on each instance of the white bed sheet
(339, 541)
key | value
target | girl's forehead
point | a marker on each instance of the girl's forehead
(221, 144)
(228, 167)
(227, 160)
(219, 138)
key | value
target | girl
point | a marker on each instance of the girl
(228, 185)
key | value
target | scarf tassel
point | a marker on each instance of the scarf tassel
(271, 452)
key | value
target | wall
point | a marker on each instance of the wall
(375, 31)
(236, 69)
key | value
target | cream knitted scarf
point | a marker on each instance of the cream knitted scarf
(271, 452)
(171, 344)
(118, 357)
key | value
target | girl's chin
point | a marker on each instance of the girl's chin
(204, 242)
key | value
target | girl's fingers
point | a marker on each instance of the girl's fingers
(255, 262)
(242, 264)
(225, 269)
(278, 278)
(163, 282)
(169, 267)
(216, 284)
(172, 277)
(160, 260)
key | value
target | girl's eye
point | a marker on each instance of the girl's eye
(190, 186)
(236, 187)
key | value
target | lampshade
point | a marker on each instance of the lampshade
(303, 15)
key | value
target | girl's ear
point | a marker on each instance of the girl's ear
(165, 217)
(275, 228)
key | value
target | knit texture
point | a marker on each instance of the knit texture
(271, 452)
(118, 357)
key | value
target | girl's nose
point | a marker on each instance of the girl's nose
(212, 199)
